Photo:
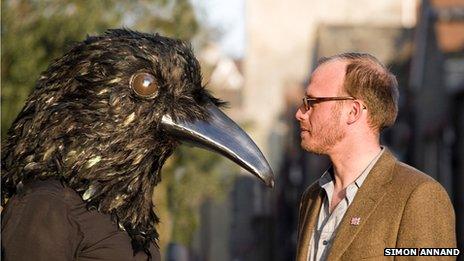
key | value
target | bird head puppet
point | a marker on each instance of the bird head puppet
(104, 118)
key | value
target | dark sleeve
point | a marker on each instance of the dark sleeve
(38, 227)
(428, 219)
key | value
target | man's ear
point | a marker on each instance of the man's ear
(356, 110)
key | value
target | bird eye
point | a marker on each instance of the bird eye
(144, 84)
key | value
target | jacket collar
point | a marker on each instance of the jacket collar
(364, 203)
(309, 219)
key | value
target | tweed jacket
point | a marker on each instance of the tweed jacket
(397, 206)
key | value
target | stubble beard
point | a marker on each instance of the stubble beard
(326, 135)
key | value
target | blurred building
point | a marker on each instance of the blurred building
(224, 76)
(437, 99)
(216, 238)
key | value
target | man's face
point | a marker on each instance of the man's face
(321, 126)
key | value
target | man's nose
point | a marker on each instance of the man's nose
(299, 115)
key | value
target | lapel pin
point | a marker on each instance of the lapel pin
(355, 221)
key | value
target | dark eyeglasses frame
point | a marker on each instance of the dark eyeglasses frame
(308, 102)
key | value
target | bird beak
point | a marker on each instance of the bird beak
(222, 135)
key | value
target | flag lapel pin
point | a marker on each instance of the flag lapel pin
(355, 221)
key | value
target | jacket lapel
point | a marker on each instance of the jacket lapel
(309, 220)
(364, 203)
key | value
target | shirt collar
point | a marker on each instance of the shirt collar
(327, 179)
(360, 180)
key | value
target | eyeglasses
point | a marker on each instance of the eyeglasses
(309, 102)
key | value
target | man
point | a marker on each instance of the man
(367, 200)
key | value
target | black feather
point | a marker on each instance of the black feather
(84, 125)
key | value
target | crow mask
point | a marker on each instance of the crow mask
(104, 118)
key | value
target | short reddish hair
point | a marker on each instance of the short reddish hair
(368, 80)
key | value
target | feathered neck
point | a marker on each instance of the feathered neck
(116, 177)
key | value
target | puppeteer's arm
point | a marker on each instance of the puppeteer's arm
(428, 220)
(38, 228)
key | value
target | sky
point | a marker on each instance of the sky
(228, 16)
